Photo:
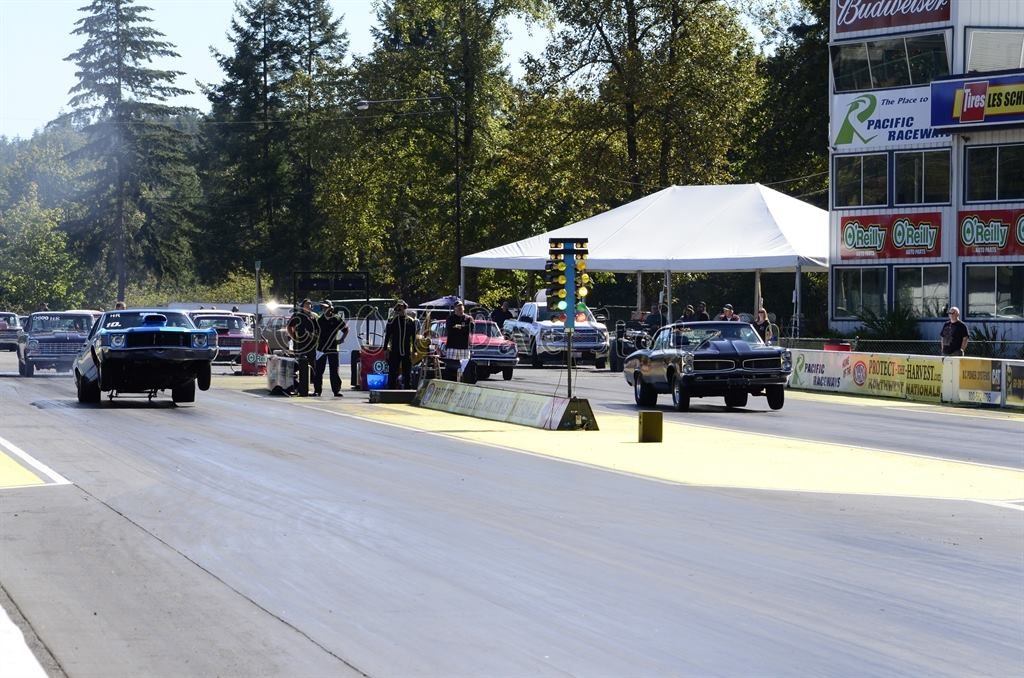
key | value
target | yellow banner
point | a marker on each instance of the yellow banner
(1000, 100)
(980, 375)
(924, 379)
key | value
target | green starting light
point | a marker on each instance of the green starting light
(561, 305)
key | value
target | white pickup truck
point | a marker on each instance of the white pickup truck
(540, 336)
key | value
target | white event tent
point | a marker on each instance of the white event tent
(737, 227)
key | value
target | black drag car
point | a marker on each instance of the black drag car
(145, 351)
(701, 359)
(51, 340)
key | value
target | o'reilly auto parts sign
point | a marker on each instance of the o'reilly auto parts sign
(860, 15)
(877, 119)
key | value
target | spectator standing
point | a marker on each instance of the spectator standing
(399, 343)
(302, 330)
(727, 313)
(763, 325)
(458, 328)
(120, 305)
(500, 315)
(702, 312)
(953, 337)
(689, 314)
(329, 324)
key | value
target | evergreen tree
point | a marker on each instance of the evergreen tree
(137, 205)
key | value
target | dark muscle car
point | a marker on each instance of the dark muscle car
(145, 351)
(51, 340)
(700, 359)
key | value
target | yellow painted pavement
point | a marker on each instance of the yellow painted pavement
(13, 474)
(699, 455)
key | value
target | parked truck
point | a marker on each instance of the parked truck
(540, 336)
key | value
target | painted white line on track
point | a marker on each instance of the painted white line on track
(18, 660)
(55, 478)
(1017, 505)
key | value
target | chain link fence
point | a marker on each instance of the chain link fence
(978, 349)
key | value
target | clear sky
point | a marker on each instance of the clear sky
(35, 37)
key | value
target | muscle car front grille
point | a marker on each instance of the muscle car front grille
(763, 364)
(229, 342)
(58, 348)
(146, 339)
(713, 365)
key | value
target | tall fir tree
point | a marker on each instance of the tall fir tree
(136, 218)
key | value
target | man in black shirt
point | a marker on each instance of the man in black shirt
(702, 312)
(399, 342)
(954, 335)
(302, 330)
(329, 324)
(500, 315)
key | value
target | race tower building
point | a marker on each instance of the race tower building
(927, 162)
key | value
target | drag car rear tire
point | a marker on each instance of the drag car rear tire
(644, 395)
(184, 393)
(88, 391)
(776, 396)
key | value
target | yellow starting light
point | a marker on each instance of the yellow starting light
(581, 264)
(560, 265)
(561, 279)
(581, 292)
(583, 279)
(561, 293)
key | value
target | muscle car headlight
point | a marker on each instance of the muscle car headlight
(200, 341)
(117, 340)
(688, 363)
(33, 346)
(787, 360)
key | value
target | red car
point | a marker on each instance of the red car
(231, 328)
(490, 350)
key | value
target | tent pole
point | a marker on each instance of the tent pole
(757, 292)
(796, 296)
(462, 281)
(639, 291)
(668, 297)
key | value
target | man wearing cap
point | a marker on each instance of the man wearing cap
(302, 330)
(727, 313)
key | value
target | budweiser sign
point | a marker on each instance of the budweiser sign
(859, 15)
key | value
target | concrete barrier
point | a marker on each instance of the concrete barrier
(515, 407)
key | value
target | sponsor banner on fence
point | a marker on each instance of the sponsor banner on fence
(883, 236)
(1015, 384)
(863, 120)
(924, 379)
(980, 381)
(978, 102)
(820, 370)
(860, 15)
(879, 374)
(990, 233)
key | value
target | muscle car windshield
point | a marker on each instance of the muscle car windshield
(126, 319)
(61, 322)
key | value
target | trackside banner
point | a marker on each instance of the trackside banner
(875, 120)
(910, 377)
(978, 102)
(1015, 384)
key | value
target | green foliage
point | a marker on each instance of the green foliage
(992, 342)
(238, 286)
(136, 202)
(37, 266)
(900, 323)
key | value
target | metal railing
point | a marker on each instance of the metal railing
(977, 349)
